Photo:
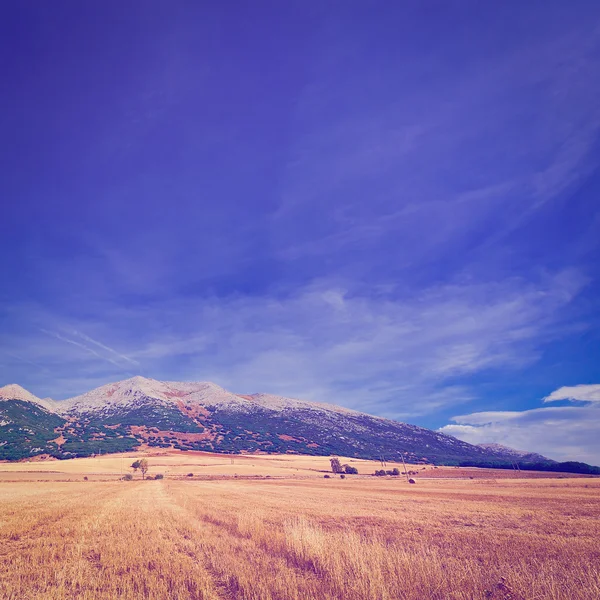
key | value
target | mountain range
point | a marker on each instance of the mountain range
(141, 413)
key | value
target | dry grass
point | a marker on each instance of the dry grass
(303, 539)
(175, 463)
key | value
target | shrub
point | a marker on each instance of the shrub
(380, 473)
(150, 478)
(411, 481)
(190, 475)
(128, 477)
(85, 478)
(342, 476)
(395, 471)
(159, 476)
(326, 477)
(350, 470)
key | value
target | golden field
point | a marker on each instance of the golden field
(279, 531)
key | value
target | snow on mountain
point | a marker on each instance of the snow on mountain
(132, 392)
(13, 391)
(274, 402)
(136, 390)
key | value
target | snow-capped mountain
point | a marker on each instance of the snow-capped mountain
(140, 390)
(204, 416)
(16, 392)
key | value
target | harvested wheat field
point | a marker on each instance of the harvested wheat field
(302, 539)
(174, 463)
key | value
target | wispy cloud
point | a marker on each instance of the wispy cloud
(483, 151)
(23, 360)
(87, 348)
(372, 349)
(87, 338)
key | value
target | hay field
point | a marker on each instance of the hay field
(174, 463)
(300, 538)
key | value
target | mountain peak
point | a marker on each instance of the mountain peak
(13, 391)
(138, 379)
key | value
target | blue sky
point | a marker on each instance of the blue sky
(388, 206)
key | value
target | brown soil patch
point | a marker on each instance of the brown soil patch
(194, 410)
(60, 440)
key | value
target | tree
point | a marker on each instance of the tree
(143, 467)
(135, 465)
(336, 466)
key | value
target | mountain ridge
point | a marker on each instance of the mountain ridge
(202, 392)
(512, 453)
(143, 412)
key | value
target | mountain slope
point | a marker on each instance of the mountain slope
(203, 416)
(27, 429)
(511, 454)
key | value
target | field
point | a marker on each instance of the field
(271, 527)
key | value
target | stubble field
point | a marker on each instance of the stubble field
(292, 536)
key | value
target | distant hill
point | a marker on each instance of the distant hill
(516, 456)
(142, 412)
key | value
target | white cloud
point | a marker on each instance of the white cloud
(561, 433)
(586, 393)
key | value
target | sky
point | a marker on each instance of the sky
(391, 206)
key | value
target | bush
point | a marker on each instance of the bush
(395, 472)
(128, 477)
(150, 478)
(159, 476)
(342, 476)
(190, 474)
(350, 470)
(85, 478)
(326, 477)
(380, 473)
